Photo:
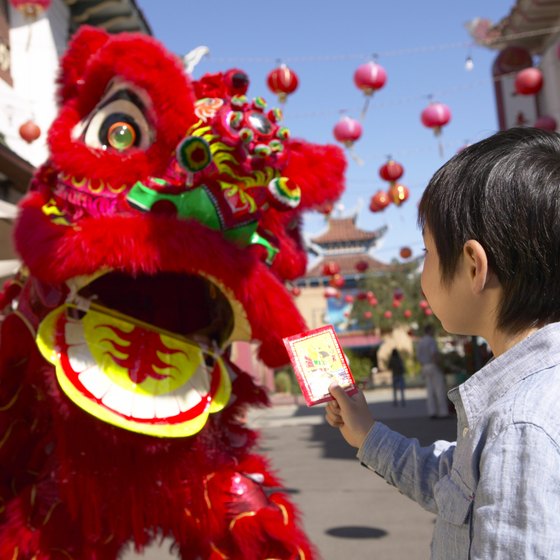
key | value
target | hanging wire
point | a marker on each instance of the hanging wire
(397, 52)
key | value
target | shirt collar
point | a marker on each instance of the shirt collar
(538, 351)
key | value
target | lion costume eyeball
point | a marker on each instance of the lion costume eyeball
(161, 230)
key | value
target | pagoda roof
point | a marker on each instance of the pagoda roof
(342, 230)
(347, 265)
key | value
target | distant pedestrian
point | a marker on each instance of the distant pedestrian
(427, 354)
(397, 367)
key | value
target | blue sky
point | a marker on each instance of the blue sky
(422, 46)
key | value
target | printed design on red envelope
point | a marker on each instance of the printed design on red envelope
(318, 361)
(161, 230)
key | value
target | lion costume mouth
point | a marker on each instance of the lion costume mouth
(141, 355)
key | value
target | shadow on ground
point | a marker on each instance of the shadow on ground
(424, 429)
(356, 532)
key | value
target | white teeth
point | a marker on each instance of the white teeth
(143, 406)
(130, 403)
(188, 399)
(118, 399)
(74, 333)
(80, 358)
(95, 381)
(166, 407)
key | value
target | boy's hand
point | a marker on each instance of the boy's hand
(350, 414)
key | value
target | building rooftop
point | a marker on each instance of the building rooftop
(113, 16)
(530, 24)
(342, 230)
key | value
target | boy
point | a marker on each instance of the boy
(491, 225)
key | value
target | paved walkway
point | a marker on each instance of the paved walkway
(347, 511)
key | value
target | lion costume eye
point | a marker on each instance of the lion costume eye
(119, 122)
(120, 135)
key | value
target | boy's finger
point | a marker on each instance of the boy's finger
(340, 395)
(334, 420)
(334, 406)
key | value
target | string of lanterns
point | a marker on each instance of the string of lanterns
(407, 51)
(371, 77)
(368, 297)
(397, 193)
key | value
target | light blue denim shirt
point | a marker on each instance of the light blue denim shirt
(496, 490)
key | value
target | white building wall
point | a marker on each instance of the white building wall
(549, 98)
(35, 50)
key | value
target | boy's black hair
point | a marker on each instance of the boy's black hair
(504, 192)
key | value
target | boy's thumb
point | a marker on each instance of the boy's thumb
(339, 394)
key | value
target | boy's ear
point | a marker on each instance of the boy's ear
(476, 263)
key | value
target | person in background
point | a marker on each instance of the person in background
(427, 354)
(490, 220)
(396, 365)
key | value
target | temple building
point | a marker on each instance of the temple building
(325, 294)
(347, 245)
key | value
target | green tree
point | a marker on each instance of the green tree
(360, 366)
(392, 297)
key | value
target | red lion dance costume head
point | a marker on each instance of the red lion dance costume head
(160, 230)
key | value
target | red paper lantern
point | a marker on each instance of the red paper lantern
(436, 115)
(423, 304)
(362, 266)
(398, 193)
(29, 131)
(388, 314)
(428, 312)
(347, 131)
(367, 315)
(330, 268)
(348, 298)
(391, 171)
(337, 281)
(373, 301)
(326, 208)
(528, 81)
(407, 313)
(396, 303)
(405, 252)
(31, 9)
(379, 201)
(282, 81)
(370, 77)
(545, 122)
